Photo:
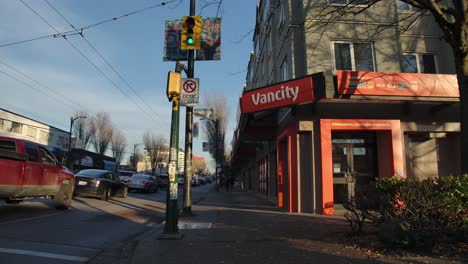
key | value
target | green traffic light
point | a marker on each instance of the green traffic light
(190, 40)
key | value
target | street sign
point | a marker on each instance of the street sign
(189, 92)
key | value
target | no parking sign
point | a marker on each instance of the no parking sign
(189, 94)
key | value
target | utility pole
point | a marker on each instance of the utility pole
(135, 162)
(187, 206)
(171, 230)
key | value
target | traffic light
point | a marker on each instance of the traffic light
(173, 85)
(190, 38)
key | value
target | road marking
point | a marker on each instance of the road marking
(150, 224)
(27, 219)
(194, 225)
(42, 254)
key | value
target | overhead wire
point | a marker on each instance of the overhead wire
(80, 30)
(104, 59)
(89, 61)
(42, 85)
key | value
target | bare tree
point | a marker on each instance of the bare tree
(156, 147)
(215, 127)
(119, 143)
(103, 130)
(82, 128)
(450, 15)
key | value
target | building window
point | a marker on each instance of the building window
(284, 70)
(402, 6)
(2, 124)
(353, 56)
(43, 136)
(418, 63)
(349, 2)
(61, 141)
(31, 132)
(15, 127)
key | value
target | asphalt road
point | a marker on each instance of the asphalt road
(34, 232)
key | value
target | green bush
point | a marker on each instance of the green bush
(414, 213)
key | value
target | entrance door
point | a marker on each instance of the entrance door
(354, 163)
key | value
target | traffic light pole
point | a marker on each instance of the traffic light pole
(171, 231)
(187, 207)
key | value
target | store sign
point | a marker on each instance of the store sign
(397, 84)
(283, 94)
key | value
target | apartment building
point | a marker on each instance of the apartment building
(18, 126)
(339, 93)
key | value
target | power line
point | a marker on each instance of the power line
(42, 85)
(89, 61)
(80, 30)
(38, 90)
(103, 58)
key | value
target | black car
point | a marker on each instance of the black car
(99, 183)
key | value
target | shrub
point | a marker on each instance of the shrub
(413, 213)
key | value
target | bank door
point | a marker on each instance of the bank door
(354, 163)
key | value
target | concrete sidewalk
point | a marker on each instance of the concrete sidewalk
(241, 227)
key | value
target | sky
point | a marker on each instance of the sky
(64, 82)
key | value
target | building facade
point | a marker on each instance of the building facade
(18, 126)
(339, 93)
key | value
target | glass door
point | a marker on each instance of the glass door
(354, 163)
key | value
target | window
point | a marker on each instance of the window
(61, 141)
(31, 131)
(43, 136)
(407, 7)
(418, 63)
(353, 56)
(349, 2)
(15, 127)
(31, 151)
(46, 156)
(7, 145)
(284, 70)
(2, 125)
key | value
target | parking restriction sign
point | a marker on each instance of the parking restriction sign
(189, 94)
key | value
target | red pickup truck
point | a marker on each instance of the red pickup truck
(28, 169)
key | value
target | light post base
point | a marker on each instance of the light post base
(186, 212)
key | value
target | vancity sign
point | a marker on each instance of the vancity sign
(292, 92)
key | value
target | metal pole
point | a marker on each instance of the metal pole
(70, 162)
(187, 207)
(171, 231)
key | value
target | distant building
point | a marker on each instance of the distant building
(18, 126)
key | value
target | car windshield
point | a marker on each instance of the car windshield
(91, 173)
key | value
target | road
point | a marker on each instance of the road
(34, 232)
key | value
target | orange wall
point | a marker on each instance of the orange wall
(286, 142)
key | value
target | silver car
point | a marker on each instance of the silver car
(142, 182)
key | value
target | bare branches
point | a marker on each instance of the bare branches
(103, 131)
(156, 148)
(119, 143)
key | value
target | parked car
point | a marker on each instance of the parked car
(99, 183)
(195, 180)
(29, 169)
(125, 175)
(163, 180)
(143, 182)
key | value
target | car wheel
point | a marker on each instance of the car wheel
(105, 194)
(64, 197)
(124, 192)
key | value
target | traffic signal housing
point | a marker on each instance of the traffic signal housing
(190, 38)
(173, 85)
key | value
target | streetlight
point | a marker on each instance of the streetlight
(72, 120)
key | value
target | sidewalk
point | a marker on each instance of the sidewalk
(243, 227)
(240, 227)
